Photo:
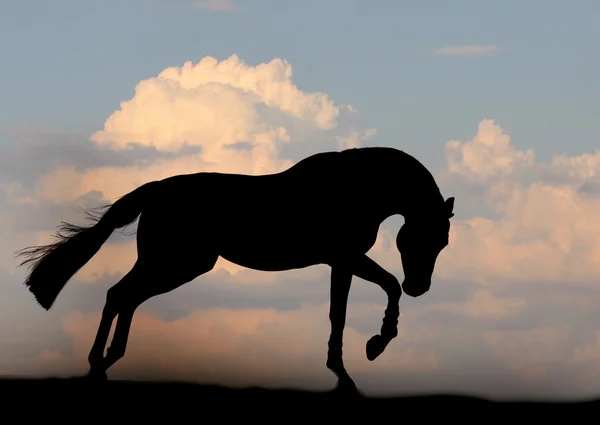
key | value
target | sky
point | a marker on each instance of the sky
(497, 99)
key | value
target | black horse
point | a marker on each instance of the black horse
(326, 209)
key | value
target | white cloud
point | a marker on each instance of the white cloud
(216, 105)
(540, 223)
(466, 50)
(355, 138)
(489, 153)
(545, 227)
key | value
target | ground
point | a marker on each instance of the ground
(124, 401)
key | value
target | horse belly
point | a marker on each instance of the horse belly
(269, 254)
(275, 248)
(270, 263)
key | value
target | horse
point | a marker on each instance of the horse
(324, 210)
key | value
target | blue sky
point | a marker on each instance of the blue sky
(68, 66)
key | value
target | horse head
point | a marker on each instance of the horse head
(420, 240)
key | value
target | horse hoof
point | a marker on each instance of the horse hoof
(345, 385)
(375, 346)
(95, 375)
(347, 388)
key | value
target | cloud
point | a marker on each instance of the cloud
(198, 98)
(483, 304)
(356, 138)
(232, 347)
(534, 221)
(212, 115)
(511, 304)
(541, 224)
(34, 152)
(509, 350)
(467, 50)
(503, 340)
(215, 107)
(216, 5)
(488, 154)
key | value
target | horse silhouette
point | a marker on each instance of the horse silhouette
(326, 209)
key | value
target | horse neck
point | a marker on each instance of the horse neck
(420, 196)
(381, 168)
(422, 204)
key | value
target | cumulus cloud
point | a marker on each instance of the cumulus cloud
(356, 138)
(466, 50)
(219, 106)
(542, 224)
(488, 154)
(214, 104)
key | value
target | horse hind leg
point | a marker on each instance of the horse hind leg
(143, 283)
(112, 305)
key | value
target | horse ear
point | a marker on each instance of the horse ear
(450, 206)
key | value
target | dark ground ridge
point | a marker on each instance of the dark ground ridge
(142, 398)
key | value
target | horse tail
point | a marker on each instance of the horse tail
(54, 264)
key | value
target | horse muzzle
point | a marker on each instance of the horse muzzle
(415, 290)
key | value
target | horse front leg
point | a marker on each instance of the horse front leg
(341, 279)
(369, 270)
